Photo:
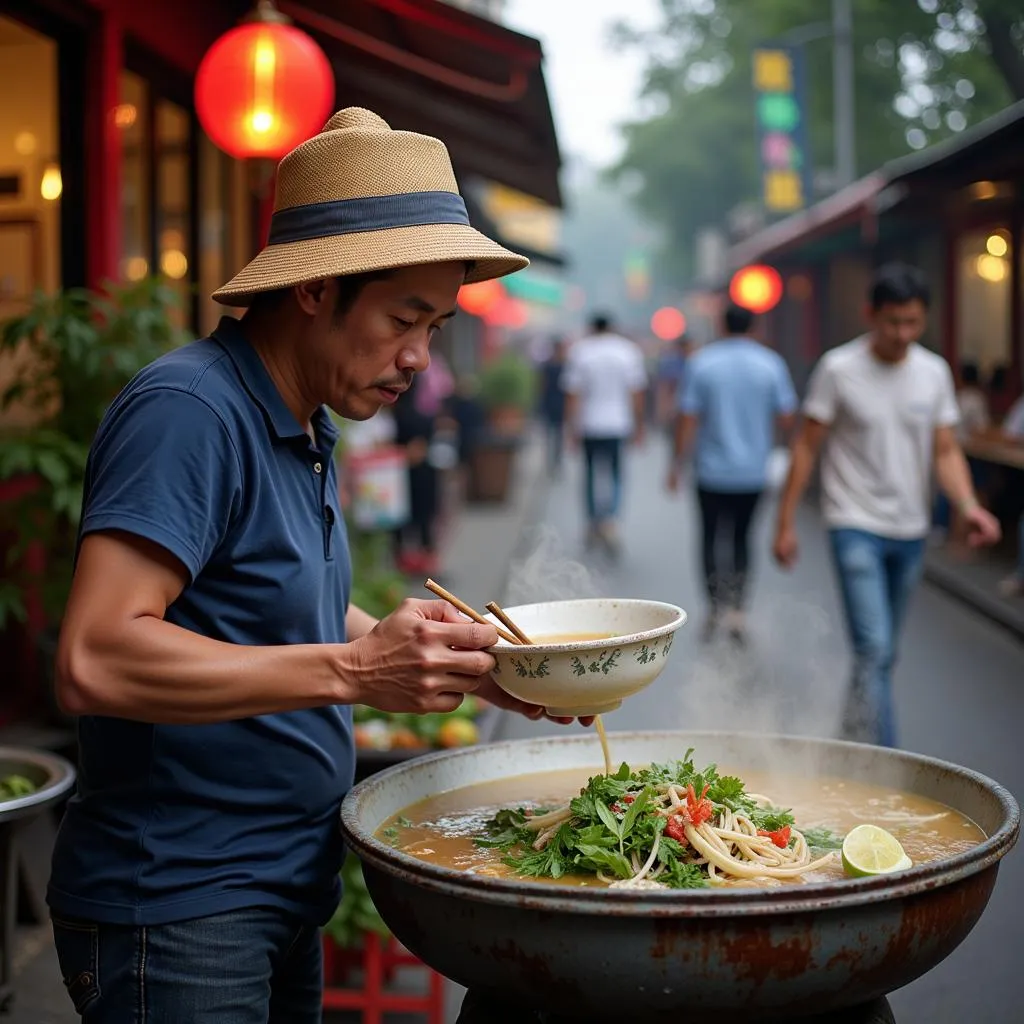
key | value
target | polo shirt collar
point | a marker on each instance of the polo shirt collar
(263, 390)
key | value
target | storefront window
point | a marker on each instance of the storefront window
(174, 246)
(30, 174)
(132, 118)
(984, 298)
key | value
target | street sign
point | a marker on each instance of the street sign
(781, 115)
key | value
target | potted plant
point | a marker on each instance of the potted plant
(506, 393)
(66, 359)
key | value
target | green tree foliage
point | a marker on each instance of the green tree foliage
(923, 70)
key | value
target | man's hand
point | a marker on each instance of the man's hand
(422, 658)
(983, 528)
(674, 480)
(786, 548)
(491, 692)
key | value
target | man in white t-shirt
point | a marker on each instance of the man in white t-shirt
(605, 384)
(882, 411)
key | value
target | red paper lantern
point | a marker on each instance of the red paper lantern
(263, 88)
(668, 323)
(757, 288)
(480, 298)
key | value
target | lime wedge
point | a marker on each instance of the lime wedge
(870, 850)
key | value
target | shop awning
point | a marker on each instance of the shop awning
(426, 66)
(993, 149)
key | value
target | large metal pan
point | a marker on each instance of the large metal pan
(619, 955)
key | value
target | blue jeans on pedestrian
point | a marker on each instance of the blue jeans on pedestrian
(876, 577)
(603, 459)
(252, 966)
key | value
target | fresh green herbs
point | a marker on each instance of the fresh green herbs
(617, 821)
(822, 839)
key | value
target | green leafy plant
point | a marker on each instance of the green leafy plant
(508, 381)
(356, 915)
(69, 354)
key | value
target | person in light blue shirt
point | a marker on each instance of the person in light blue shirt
(735, 395)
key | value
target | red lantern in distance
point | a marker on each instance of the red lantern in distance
(480, 298)
(757, 288)
(668, 323)
(263, 87)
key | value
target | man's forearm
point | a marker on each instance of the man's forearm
(802, 459)
(954, 477)
(683, 437)
(358, 623)
(152, 671)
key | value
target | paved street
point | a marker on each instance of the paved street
(960, 688)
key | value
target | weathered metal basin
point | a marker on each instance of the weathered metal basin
(617, 955)
(52, 775)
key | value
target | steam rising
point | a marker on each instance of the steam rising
(791, 678)
(546, 574)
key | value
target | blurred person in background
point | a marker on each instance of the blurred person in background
(972, 403)
(1013, 431)
(668, 380)
(552, 402)
(605, 382)
(415, 543)
(737, 394)
(881, 411)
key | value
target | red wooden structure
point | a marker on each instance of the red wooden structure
(377, 963)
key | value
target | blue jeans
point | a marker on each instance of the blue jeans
(253, 966)
(876, 576)
(603, 452)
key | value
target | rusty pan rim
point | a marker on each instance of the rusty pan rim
(688, 903)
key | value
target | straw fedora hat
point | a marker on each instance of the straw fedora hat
(360, 197)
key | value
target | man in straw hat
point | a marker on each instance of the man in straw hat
(209, 646)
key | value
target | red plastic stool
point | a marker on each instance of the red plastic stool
(378, 961)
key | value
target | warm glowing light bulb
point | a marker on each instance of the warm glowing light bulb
(991, 268)
(24, 143)
(174, 264)
(261, 121)
(52, 185)
(125, 115)
(136, 268)
(997, 245)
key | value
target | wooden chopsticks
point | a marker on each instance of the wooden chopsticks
(514, 635)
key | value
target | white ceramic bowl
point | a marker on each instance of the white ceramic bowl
(586, 677)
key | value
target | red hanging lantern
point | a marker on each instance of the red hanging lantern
(263, 87)
(757, 288)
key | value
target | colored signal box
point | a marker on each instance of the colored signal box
(781, 126)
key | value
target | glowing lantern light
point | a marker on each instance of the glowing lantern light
(263, 87)
(480, 298)
(668, 323)
(757, 288)
(52, 185)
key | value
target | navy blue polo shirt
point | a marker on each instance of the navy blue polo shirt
(200, 454)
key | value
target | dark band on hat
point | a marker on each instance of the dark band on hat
(374, 213)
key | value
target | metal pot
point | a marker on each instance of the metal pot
(52, 775)
(612, 954)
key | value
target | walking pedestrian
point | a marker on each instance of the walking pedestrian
(415, 543)
(737, 394)
(208, 646)
(552, 403)
(605, 382)
(881, 410)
